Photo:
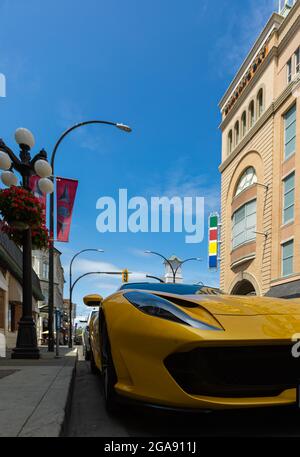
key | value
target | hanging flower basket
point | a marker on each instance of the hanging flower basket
(20, 209)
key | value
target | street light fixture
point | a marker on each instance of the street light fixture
(174, 270)
(120, 126)
(26, 347)
(71, 286)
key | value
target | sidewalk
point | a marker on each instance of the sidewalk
(34, 394)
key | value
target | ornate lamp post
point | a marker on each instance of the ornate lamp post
(26, 166)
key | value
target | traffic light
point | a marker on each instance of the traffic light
(125, 275)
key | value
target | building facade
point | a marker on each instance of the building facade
(11, 290)
(40, 264)
(260, 168)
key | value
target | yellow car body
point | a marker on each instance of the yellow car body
(242, 359)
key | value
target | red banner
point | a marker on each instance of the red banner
(65, 197)
(33, 185)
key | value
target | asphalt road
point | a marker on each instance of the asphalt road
(88, 417)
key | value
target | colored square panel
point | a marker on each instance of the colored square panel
(213, 248)
(212, 261)
(213, 235)
(213, 222)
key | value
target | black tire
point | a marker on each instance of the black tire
(93, 366)
(108, 372)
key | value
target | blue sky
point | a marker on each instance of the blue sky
(159, 66)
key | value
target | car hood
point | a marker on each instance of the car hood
(238, 305)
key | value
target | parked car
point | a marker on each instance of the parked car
(191, 347)
(86, 334)
(79, 326)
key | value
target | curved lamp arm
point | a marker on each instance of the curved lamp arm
(163, 257)
(187, 260)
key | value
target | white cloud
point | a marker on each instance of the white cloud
(177, 181)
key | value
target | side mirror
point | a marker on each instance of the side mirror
(92, 300)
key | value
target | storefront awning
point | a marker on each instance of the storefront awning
(287, 290)
(15, 290)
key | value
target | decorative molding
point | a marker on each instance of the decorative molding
(272, 53)
(245, 259)
(257, 126)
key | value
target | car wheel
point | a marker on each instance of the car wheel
(108, 372)
(93, 366)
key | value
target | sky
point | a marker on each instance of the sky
(160, 67)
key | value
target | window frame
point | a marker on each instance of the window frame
(283, 245)
(236, 133)
(284, 194)
(245, 229)
(229, 142)
(251, 114)
(289, 70)
(241, 177)
(243, 124)
(294, 106)
(259, 103)
(297, 60)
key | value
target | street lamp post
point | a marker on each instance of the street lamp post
(26, 347)
(120, 126)
(174, 270)
(71, 289)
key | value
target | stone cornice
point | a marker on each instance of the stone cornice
(247, 90)
(275, 20)
(290, 34)
(262, 120)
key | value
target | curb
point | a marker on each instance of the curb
(65, 423)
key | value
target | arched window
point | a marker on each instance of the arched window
(244, 123)
(260, 103)
(236, 133)
(247, 179)
(251, 114)
(229, 145)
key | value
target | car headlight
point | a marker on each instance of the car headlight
(160, 307)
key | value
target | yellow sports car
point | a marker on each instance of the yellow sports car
(188, 346)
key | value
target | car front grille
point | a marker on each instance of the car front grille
(244, 371)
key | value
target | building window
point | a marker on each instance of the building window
(289, 71)
(297, 60)
(260, 103)
(45, 271)
(244, 123)
(251, 114)
(35, 265)
(229, 147)
(247, 179)
(287, 258)
(244, 224)
(236, 133)
(288, 198)
(290, 132)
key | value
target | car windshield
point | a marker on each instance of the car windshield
(179, 289)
